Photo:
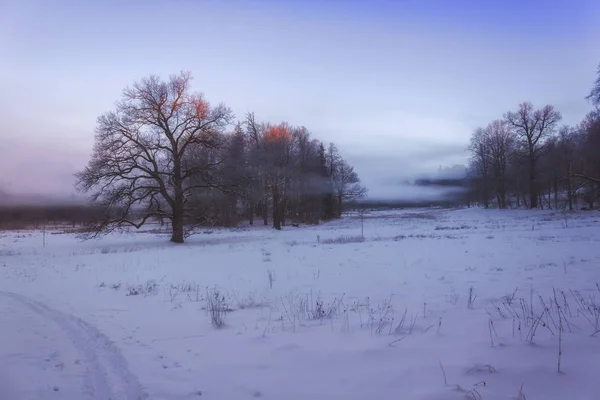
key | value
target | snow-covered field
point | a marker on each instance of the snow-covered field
(310, 312)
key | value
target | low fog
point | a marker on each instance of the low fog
(387, 177)
(394, 177)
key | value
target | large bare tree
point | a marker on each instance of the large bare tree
(532, 128)
(138, 171)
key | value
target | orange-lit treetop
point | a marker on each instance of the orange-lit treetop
(276, 133)
(202, 108)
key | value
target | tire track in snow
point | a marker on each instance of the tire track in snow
(107, 374)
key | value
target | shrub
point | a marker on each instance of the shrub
(146, 289)
(216, 307)
(344, 240)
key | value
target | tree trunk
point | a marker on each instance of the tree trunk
(276, 212)
(232, 210)
(555, 188)
(533, 193)
(486, 201)
(533, 196)
(502, 186)
(570, 187)
(328, 207)
(177, 225)
(283, 211)
(265, 211)
(178, 210)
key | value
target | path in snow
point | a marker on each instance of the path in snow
(49, 354)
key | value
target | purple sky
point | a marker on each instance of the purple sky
(398, 85)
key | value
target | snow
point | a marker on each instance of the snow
(125, 316)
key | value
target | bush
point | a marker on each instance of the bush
(344, 240)
(146, 289)
(216, 307)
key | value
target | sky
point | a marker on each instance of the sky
(399, 85)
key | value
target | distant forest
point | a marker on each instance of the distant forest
(528, 159)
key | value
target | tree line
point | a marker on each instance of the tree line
(36, 216)
(527, 159)
(166, 154)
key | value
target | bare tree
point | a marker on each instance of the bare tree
(594, 95)
(295, 175)
(277, 146)
(326, 173)
(532, 128)
(220, 182)
(480, 163)
(346, 184)
(588, 169)
(258, 192)
(307, 185)
(566, 147)
(137, 170)
(499, 144)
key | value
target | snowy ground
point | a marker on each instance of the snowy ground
(127, 316)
